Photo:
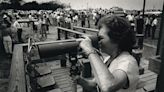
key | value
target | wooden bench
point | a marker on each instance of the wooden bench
(154, 64)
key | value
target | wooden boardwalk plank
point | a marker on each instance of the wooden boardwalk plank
(140, 90)
(146, 75)
(149, 78)
(147, 71)
(150, 87)
(63, 80)
(152, 81)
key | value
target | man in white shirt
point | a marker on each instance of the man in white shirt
(130, 18)
(19, 30)
(147, 26)
(154, 26)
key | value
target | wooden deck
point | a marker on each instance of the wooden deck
(62, 77)
(64, 81)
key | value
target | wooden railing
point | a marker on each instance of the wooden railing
(17, 77)
(85, 29)
(17, 71)
(140, 39)
(65, 31)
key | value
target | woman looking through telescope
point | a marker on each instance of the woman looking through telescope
(120, 72)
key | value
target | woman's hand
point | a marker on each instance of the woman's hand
(86, 45)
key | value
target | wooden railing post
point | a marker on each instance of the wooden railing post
(66, 35)
(58, 31)
(140, 38)
(77, 35)
(84, 31)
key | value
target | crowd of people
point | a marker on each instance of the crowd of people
(150, 24)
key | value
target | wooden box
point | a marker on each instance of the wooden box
(154, 64)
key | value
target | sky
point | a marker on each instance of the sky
(126, 4)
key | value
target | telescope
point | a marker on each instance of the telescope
(62, 47)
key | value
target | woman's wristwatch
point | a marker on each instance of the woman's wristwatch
(93, 51)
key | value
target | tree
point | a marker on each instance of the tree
(30, 6)
(16, 4)
(5, 6)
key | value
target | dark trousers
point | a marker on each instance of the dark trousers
(96, 22)
(82, 23)
(153, 31)
(35, 28)
(147, 30)
(19, 33)
(88, 23)
(47, 26)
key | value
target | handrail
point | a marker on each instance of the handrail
(87, 29)
(95, 30)
(17, 72)
(78, 34)
(139, 35)
(25, 21)
(72, 31)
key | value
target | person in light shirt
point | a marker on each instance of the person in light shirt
(19, 27)
(120, 72)
(75, 19)
(154, 26)
(147, 26)
(68, 21)
(7, 40)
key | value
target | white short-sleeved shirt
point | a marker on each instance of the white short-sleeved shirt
(154, 23)
(128, 64)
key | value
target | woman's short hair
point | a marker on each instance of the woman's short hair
(120, 31)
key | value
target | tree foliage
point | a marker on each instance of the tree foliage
(16, 4)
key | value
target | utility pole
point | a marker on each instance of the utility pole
(144, 8)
